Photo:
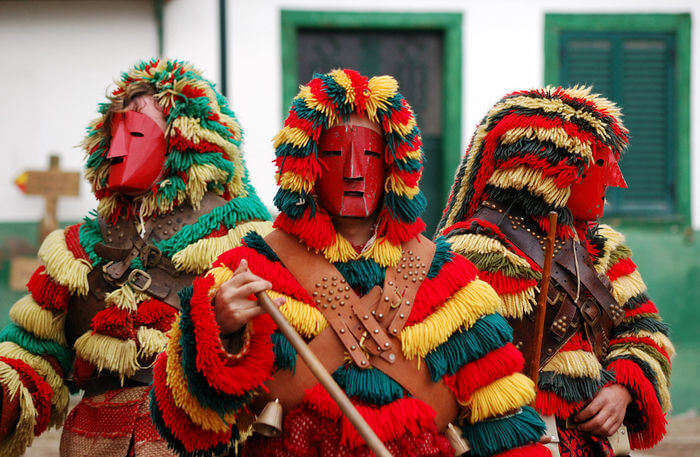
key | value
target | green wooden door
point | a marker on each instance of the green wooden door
(415, 59)
(637, 71)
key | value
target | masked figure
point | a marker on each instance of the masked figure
(605, 356)
(163, 160)
(403, 324)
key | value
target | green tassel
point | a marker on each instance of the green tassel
(493, 436)
(573, 389)
(362, 274)
(38, 346)
(443, 254)
(370, 385)
(285, 354)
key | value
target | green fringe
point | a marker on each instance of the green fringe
(653, 353)
(362, 274)
(495, 262)
(285, 354)
(573, 389)
(443, 254)
(649, 322)
(256, 242)
(370, 385)
(619, 253)
(89, 235)
(38, 346)
(493, 436)
(488, 333)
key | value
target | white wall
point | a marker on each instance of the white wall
(58, 58)
(503, 51)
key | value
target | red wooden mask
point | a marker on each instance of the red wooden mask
(137, 152)
(352, 181)
(587, 198)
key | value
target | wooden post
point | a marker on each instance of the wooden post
(326, 380)
(542, 298)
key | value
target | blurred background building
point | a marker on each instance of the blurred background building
(453, 60)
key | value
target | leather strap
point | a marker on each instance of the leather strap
(370, 316)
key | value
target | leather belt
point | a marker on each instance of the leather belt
(365, 328)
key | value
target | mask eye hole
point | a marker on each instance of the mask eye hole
(330, 153)
(600, 162)
(138, 134)
(371, 153)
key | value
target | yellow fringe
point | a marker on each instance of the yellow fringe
(198, 177)
(344, 81)
(661, 380)
(556, 135)
(307, 320)
(41, 322)
(575, 364)
(311, 103)
(151, 341)
(206, 418)
(220, 274)
(461, 310)
(106, 352)
(296, 183)
(60, 397)
(467, 243)
(198, 257)
(62, 266)
(125, 298)
(381, 89)
(340, 251)
(502, 396)
(22, 436)
(294, 135)
(657, 337)
(613, 239)
(520, 304)
(398, 186)
(626, 287)
(384, 253)
(523, 177)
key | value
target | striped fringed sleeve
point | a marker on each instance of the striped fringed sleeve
(640, 350)
(200, 391)
(455, 326)
(34, 355)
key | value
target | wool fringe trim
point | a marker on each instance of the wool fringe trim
(626, 287)
(501, 397)
(384, 253)
(151, 342)
(108, 353)
(60, 397)
(575, 364)
(306, 319)
(126, 298)
(662, 381)
(62, 265)
(613, 240)
(43, 323)
(520, 304)
(463, 309)
(221, 274)
(198, 257)
(657, 337)
(22, 436)
(525, 177)
(482, 244)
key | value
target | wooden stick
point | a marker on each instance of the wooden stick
(326, 380)
(542, 299)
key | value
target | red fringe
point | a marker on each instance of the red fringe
(398, 232)
(318, 89)
(83, 370)
(360, 87)
(577, 343)
(232, 377)
(503, 284)
(648, 307)
(548, 403)
(46, 292)
(628, 374)
(305, 125)
(433, 292)
(316, 232)
(530, 450)
(309, 168)
(403, 416)
(497, 364)
(621, 268)
(191, 436)
(563, 173)
(636, 341)
(179, 142)
(221, 231)
(115, 322)
(40, 390)
(402, 149)
(73, 242)
(155, 314)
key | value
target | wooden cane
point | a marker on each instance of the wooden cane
(326, 380)
(542, 298)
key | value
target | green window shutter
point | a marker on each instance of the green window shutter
(636, 70)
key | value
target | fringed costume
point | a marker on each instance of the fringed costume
(449, 335)
(521, 163)
(99, 307)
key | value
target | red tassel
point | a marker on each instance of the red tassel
(621, 268)
(73, 242)
(316, 231)
(154, 313)
(115, 322)
(46, 292)
(38, 388)
(503, 284)
(548, 403)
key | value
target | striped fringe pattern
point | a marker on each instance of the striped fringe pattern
(324, 102)
(530, 148)
(203, 138)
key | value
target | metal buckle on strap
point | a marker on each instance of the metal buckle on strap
(140, 280)
(150, 255)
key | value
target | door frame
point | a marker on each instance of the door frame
(679, 25)
(448, 23)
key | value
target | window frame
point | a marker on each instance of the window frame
(679, 26)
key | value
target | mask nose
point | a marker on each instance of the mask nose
(353, 163)
(615, 178)
(119, 145)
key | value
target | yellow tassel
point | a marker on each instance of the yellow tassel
(340, 251)
(294, 182)
(384, 253)
(613, 240)
(502, 396)
(106, 352)
(125, 298)
(198, 178)
(520, 304)
(220, 274)
(556, 135)
(294, 136)
(206, 418)
(657, 337)
(381, 89)
(626, 287)
(198, 257)
(525, 177)
(398, 186)
(151, 341)
(41, 322)
(461, 310)
(43, 369)
(307, 320)
(344, 81)
(575, 364)
(468, 243)
(62, 266)
(22, 436)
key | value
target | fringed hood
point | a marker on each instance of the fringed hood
(530, 148)
(202, 135)
(321, 104)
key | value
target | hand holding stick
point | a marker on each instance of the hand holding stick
(326, 380)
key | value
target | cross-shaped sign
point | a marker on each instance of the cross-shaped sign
(51, 184)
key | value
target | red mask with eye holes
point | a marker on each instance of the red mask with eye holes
(136, 152)
(587, 199)
(352, 181)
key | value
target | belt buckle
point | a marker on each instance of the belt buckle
(139, 280)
